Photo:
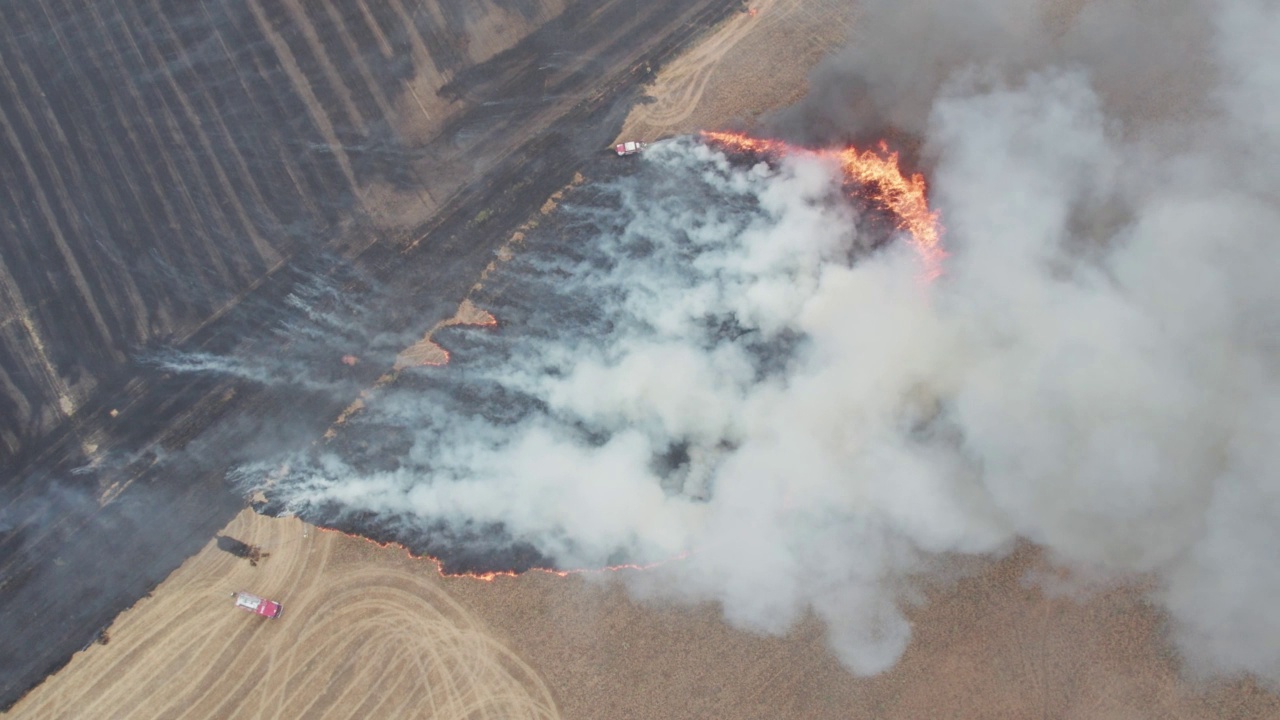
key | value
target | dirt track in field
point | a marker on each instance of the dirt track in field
(364, 634)
(755, 62)
(371, 632)
(100, 509)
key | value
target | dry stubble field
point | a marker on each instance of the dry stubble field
(371, 632)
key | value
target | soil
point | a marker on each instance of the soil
(104, 503)
(369, 631)
(757, 61)
(365, 632)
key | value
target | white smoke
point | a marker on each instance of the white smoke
(1095, 373)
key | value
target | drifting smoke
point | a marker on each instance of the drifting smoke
(725, 361)
(319, 316)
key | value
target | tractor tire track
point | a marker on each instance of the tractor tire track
(356, 640)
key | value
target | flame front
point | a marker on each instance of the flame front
(883, 183)
(494, 575)
(879, 173)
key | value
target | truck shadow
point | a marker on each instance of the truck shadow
(252, 553)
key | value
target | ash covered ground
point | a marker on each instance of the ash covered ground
(656, 387)
(178, 176)
(585, 290)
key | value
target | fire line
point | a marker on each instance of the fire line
(879, 173)
(494, 575)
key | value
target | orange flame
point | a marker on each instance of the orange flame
(881, 176)
(879, 173)
(494, 575)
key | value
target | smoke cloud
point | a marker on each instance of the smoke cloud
(727, 363)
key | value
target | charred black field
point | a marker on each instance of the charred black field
(638, 273)
(242, 180)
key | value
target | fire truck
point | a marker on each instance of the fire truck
(630, 147)
(257, 605)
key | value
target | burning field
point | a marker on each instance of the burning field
(772, 371)
(952, 388)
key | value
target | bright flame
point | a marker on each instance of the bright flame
(884, 183)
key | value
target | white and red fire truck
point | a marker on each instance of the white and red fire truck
(254, 604)
(631, 147)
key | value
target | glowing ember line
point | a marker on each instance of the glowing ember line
(881, 176)
(491, 576)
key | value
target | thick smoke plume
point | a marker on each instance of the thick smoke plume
(724, 361)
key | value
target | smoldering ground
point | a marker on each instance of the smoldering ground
(722, 362)
(325, 312)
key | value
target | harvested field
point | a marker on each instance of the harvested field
(182, 177)
(369, 631)
(755, 62)
(363, 634)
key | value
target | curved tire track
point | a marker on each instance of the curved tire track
(357, 640)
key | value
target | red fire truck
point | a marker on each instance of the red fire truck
(254, 604)
(630, 147)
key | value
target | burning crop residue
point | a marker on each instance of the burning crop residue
(881, 181)
(491, 575)
(427, 352)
